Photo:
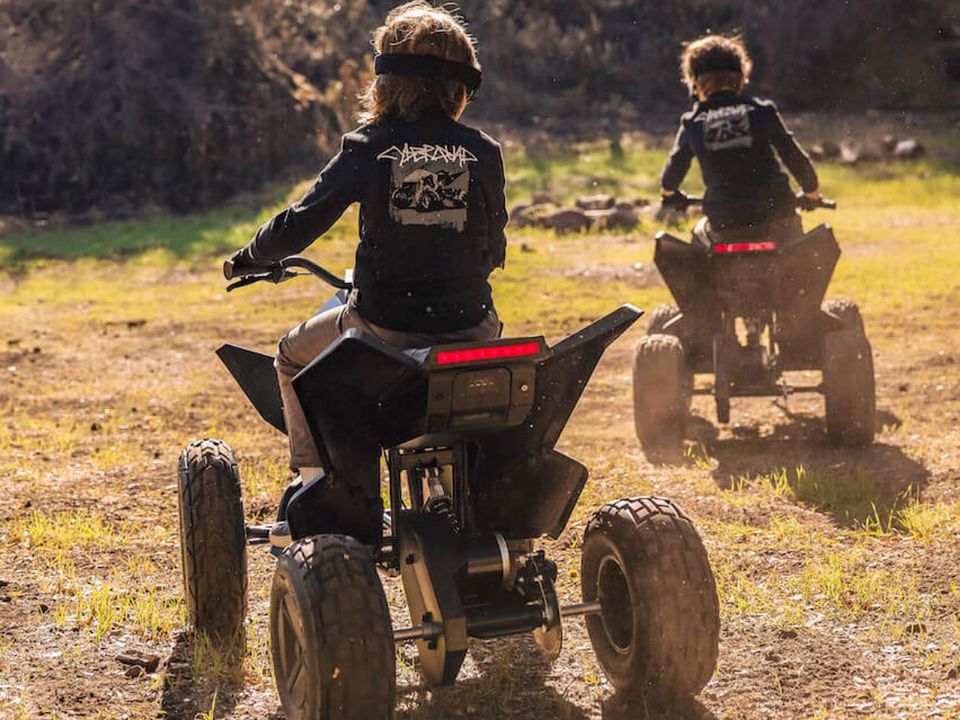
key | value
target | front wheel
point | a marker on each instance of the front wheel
(658, 630)
(213, 541)
(330, 632)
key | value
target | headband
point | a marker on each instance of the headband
(713, 64)
(428, 66)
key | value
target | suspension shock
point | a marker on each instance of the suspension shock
(439, 502)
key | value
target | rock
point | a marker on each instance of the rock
(613, 218)
(915, 628)
(4, 583)
(143, 661)
(828, 150)
(787, 634)
(850, 151)
(954, 673)
(595, 202)
(623, 218)
(543, 197)
(909, 149)
(531, 215)
(134, 671)
(567, 220)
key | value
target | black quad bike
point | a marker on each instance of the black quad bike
(749, 310)
(467, 433)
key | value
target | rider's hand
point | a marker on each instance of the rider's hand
(809, 200)
(675, 200)
(241, 263)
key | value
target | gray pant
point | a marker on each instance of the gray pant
(307, 340)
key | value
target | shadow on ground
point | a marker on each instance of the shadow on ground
(186, 696)
(512, 683)
(853, 485)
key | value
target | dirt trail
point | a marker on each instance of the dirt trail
(96, 411)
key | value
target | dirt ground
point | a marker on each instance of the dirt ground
(838, 569)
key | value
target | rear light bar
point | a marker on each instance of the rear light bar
(491, 352)
(744, 247)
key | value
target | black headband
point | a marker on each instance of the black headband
(714, 64)
(428, 66)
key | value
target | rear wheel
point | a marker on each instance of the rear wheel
(213, 541)
(330, 632)
(661, 315)
(846, 311)
(661, 393)
(658, 630)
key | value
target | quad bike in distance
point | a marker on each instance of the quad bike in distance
(748, 309)
(467, 432)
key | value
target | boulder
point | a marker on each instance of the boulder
(909, 149)
(595, 202)
(567, 220)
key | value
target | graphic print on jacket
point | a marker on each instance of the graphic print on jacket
(726, 127)
(429, 184)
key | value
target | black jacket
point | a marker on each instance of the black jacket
(432, 218)
(733, 137)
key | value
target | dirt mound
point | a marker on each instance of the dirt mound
(120, 103)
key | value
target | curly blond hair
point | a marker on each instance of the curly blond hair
(714, 50)
(418, 28)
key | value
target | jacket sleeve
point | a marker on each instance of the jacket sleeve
(497, 207)
(292, 230)
(793, 156)
(678, 163)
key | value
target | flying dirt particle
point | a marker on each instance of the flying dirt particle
(903, 387)
(95, 427)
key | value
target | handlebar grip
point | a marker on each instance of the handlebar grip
(233, 269)
(828, 204)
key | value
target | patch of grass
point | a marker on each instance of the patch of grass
(853, 497)
(110, 606)
(63, 531)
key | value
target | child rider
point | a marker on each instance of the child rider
(734, 136)
(432, 211)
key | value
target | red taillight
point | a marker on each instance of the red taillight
(744, 247)
(493, 352)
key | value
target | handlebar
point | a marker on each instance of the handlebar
(280, 272)
(807, 204)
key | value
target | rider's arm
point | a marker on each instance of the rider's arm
(497, 207)
(793, 156)
(293, 229)
(677, 164)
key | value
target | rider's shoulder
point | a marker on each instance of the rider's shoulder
(478, 137)
(762, 103)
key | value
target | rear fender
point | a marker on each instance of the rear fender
(525, 488)
(806, 266)
(684, 268)
(256, 376)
